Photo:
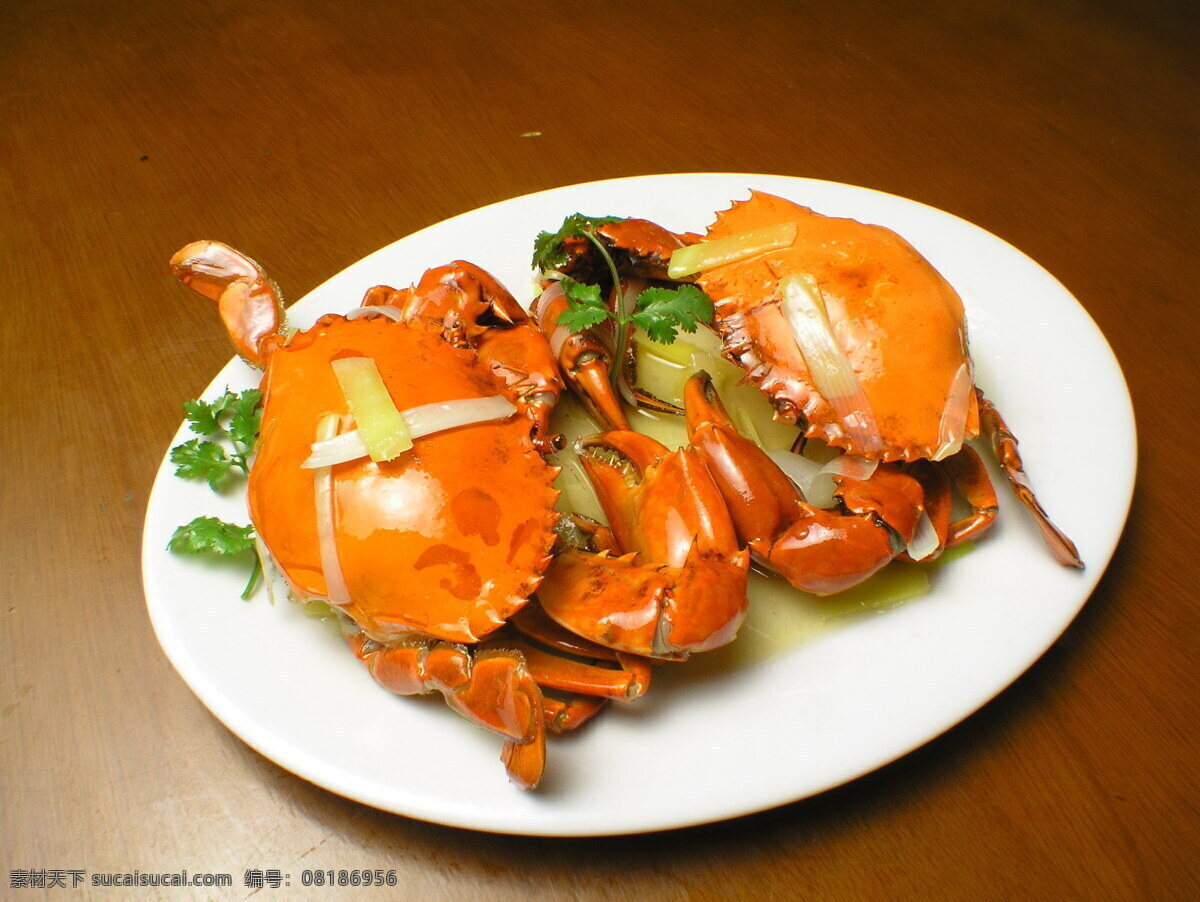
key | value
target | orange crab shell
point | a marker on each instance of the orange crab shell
(900, 322)
(448, 539)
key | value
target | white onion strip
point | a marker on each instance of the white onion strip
(331, 567)
(816, 482)
(559, 335)
(925, 539)
(804, 309)
(390, 312)
(952, 427)
(421, 421)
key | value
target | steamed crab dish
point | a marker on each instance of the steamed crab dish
(406, 470)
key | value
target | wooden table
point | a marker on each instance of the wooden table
(315, 133)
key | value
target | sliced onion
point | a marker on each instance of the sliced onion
(421, 421)
(925, 539)
(335, 581)
(815, 481)
(800, 470)
(387, 310)
(337, 450)
(559, 334)
(429, 418)
(952, 427)
(835, 379)
(709, 254)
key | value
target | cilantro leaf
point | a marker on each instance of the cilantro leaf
(198, 459)
(579, 318)
(203, 417)
(235, 417)
(548, 250)
(245, 419)
(208, 535)
(662, 312)
(585, 306)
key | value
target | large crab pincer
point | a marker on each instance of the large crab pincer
(818, 550)
(670, 577)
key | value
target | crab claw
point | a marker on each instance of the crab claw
(681, 585)
(584, 359)
(249, 302)
(816, 550)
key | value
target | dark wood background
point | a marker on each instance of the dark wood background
(315, 133)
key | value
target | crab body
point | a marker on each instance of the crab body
(901, 324)
(894, 384)
(470, 541)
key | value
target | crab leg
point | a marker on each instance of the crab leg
(493, 689)
(554, 672)
(935, 486)
(818, 551)
(248, 301)
(532, 621)
(563, 715)
(1004, 445)
(966, 470)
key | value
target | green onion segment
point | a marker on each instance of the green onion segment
(709, 254)
(380, 423)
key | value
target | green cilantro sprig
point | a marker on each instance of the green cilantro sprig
(208, 535)
(660, 312)
(232, 418)
(549, 248)
(228, 428)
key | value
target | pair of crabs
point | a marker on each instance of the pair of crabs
(449, 566)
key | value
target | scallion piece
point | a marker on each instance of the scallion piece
(380, 424)
(709, 254)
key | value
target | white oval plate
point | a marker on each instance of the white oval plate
(695, 749)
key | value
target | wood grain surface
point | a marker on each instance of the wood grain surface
(316, 132)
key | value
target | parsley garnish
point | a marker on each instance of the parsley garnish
(233, 418)
(229, 430)
(208, 535)
(660, 312)
(549, 251)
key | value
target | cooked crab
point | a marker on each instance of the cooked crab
(428, 554)
(855, 337)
